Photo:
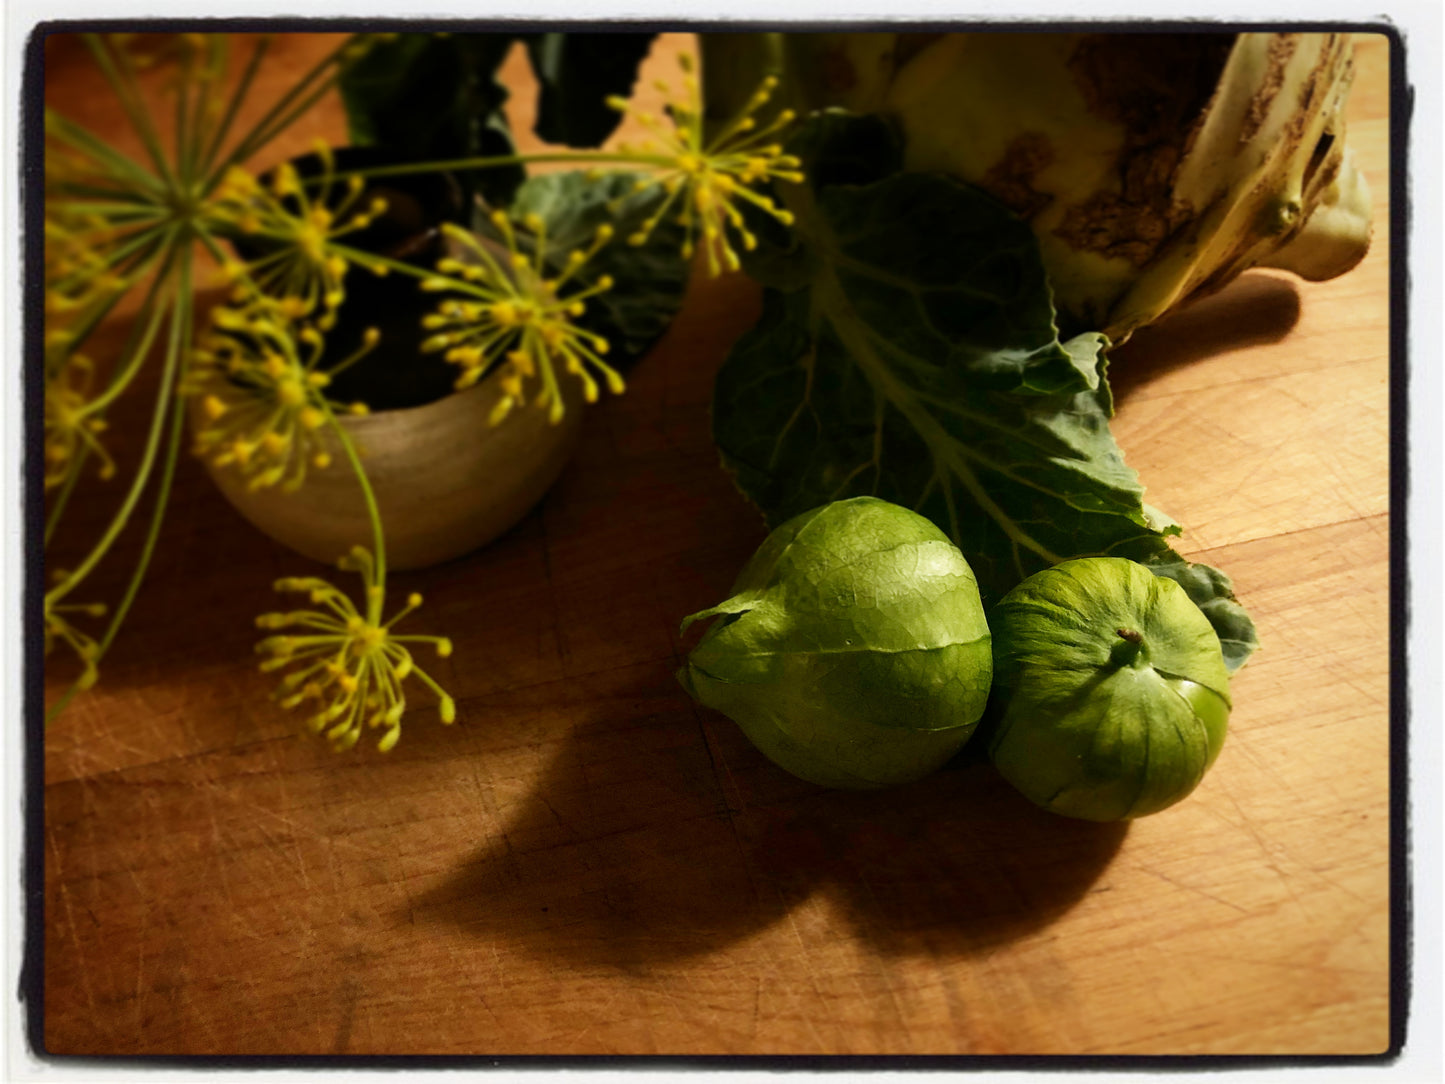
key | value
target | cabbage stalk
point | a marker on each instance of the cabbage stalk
(1153, 168)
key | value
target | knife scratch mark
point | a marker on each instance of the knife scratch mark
(1191, 888)
(1212, 956)
(350, 995)
(582, 1033)
(140, 949)
(467, 966)
(556, 817)
(292, 835)
(199, 1010)
(883, 973)
(564, 652)
(729, 793)
(1265, 850)
(334, 868)
(819, 997)
(79, 948)
(1367, 694)
(1339, 885)
(757, 1006)
(222, 864)
(296, 826)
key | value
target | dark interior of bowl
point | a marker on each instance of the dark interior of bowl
(395, 373)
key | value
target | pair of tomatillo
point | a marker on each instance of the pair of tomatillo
(855, 652)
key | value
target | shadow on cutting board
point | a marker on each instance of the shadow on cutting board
(645, 844)
(1256, 308)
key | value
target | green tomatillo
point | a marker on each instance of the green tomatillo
(1113, 695)
(853, 651)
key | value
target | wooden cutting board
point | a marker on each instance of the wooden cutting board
(587, 863)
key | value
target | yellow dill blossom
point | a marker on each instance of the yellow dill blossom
(351, 664)
(58, 629)
(128, 221)
(92, 243)
(70, 422)
(707, 180)
(520, 317)
(262, 394)
(80, 288)
(296, 224)
(77, 272)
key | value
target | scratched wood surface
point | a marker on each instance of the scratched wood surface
(586, 863)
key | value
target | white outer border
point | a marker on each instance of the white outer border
(1420, 24)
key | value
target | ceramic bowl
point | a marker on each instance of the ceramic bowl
(445, 480)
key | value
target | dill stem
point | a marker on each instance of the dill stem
(163, 491)
(459, 165)
(174, 349)
(253, 142)
(362, 258)
(82, 139)
(233, 104)
(261, 137)
(57, 506)
(182, 315)
(122, 81)
(137, 348)
(378, 535)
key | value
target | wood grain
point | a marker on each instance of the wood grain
(587, 863)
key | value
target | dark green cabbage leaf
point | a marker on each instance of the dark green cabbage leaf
(908, 350)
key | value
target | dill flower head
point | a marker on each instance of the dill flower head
(71, 422)
(295, 225)
(77, 273)
(87, 241)
(520, 317)
(262, 394)
(350, 663)
(708, 181)
(132, 219)
(58, 629)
